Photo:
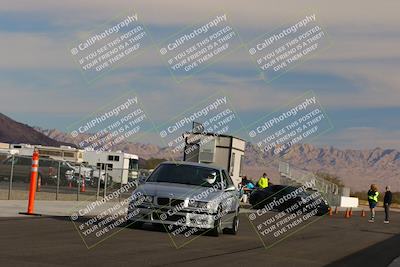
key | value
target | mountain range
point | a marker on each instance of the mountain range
(357, 169)
(15, 132)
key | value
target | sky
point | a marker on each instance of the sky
(356, 79)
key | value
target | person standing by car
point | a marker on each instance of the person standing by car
(263, 181)
(373, 195)
(246, 186)
(387, 200)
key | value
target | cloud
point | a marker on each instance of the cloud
(175, 12)
(363, 137)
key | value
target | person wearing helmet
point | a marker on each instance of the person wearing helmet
(211, 178)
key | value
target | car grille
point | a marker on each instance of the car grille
(176, 202)
(163, 201)
(173, 217)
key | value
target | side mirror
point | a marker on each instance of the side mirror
(230, 188)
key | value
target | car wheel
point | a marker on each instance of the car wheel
(217, 230)
(235, 226)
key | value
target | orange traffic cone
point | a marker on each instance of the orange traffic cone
(83, 187)
(362, 213)
(330, 211)
(70, 184)
(351, 212)
(347, 214)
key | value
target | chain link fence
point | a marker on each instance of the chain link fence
(294, 176)
(61, 180)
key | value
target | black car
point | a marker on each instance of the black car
(288, 199)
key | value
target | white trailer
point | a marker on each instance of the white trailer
(121, 166)
(65, 153)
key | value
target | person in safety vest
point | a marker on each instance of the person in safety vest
(263, 181)
(373, 195)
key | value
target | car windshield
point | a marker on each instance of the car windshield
(290, 189)
(185, 174)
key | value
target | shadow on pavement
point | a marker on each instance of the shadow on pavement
(379, 254)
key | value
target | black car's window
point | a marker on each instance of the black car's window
(288, 189)
(275, 188)
(278, 190)
(184, 174)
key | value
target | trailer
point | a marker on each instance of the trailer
(221, 150)
(120, 166)
(63, 153)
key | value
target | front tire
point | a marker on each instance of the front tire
(217, 230)
(235, 226)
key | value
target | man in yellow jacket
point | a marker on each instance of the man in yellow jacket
(263, 181)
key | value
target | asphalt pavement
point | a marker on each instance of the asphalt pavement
(332, 240)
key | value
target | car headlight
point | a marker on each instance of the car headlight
(148, 199)
(197, 204)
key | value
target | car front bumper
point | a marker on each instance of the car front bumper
(165, 216)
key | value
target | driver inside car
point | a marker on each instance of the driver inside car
(211, 178)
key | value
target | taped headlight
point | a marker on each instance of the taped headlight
(148, 199)
(198, 204)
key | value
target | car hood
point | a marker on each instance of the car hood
(179, 191)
